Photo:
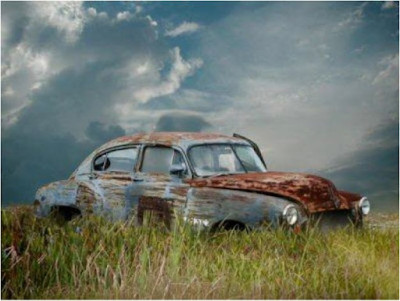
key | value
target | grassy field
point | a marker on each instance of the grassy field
(92, 258)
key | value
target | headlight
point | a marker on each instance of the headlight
(364, 206)
(290, 214)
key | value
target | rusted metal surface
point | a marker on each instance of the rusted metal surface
(171, 138)
(314, 193)
(253, 199)
(60, 193)
(215, 205)
(157, 208)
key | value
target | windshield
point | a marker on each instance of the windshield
(213, 159)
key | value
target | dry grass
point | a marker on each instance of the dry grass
(42, 260)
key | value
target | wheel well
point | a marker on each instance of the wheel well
(229, 225)
(65, 213)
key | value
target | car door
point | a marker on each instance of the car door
(159, 188)
(104, 192)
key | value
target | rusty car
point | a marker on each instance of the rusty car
(210, 180)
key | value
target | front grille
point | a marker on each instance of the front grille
(333, 219)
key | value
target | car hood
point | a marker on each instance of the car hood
(314, 193)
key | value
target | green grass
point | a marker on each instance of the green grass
(43, 260)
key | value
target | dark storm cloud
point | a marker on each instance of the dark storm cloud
(33, 157)
(181, 122)
(72, 111)
(17, 21)
(373, 169)
(98, 132)
(189, 100)
(71, 100)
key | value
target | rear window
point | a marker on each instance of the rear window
(122, 160)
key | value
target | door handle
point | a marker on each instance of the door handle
(92, 176)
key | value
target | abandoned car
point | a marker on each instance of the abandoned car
(209, 179)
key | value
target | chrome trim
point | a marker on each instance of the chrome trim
(285, 210)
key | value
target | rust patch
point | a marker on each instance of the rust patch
(349, 198)
(85, 199)
(158, 208)
(169, 138)
(314, 193)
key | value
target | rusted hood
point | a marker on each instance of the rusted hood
(315, 193)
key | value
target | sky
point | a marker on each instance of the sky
(315, 84)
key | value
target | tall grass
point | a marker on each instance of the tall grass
(91, 258)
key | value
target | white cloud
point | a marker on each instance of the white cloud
(92, 11)
(8, 91)
(143, 68)
(103, 15)
(184, 28)
(66, 17)
(152, 22)
(391, 69)
(11, 117)
(33, 63)
(138, 9)
(180, 70)
(388, 5)
(123, 16)
(353, 19)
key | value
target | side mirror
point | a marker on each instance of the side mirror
(177, 169)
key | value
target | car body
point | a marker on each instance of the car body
(208, 179)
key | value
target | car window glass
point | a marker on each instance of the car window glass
(122, 160)
(250, 160)
(211, 159)
(159, 159)
(202, 159)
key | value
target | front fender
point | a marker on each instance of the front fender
(213, 205)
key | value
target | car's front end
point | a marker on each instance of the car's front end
(299, 199)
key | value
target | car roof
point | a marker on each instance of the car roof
(183, 139)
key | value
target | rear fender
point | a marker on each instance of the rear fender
(60, 193)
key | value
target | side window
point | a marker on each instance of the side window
(159, 159)
(122, 160)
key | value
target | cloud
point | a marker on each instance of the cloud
(295, 85)
(390, 71)
(30, 160)
(354, 18)
(184, 28)
(181, 122)
(125, 15)
(372, 170)
(99, 132)
(66, 69)
(388, 5)
(66, 17)
(152, 22)
(302, 109)
(180, 69)
(40, 49)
